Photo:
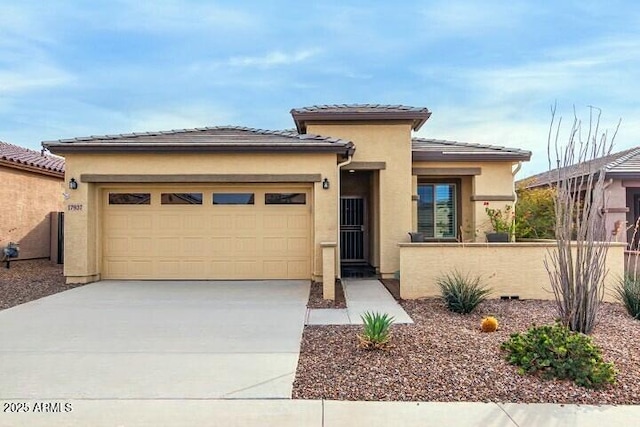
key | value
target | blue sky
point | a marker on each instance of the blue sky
(489, 71)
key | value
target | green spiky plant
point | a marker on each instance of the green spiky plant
(628, 293)
(462, 294)
(376, 333)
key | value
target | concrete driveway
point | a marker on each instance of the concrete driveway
(152, 340)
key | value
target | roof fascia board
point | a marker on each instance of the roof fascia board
(417, 119)
(111, 147)
(199, 178)
(460, 157)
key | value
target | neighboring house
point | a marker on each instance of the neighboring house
(238, 203)
(32, 187)
(622, 183)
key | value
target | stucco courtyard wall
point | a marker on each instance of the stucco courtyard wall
(508, 268)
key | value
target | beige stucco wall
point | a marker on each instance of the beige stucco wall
(82, 227)
(390, 143)
(508, 268)
(27, 200)
(616, 207)
(495, 179)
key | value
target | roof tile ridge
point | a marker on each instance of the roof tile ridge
(628, 154)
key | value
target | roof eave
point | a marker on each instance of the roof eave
(460, 157)
(110, 147)
(628, 175)
(31, 168)
(418, 118)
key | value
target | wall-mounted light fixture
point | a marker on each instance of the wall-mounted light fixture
(73, 184)
(325, 183)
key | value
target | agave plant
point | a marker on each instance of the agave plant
(376, 333)
(628, 293)
(462, 294)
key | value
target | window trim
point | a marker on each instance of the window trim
(457, 183)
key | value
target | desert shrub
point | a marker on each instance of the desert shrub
(628, 292)
(462, 294)
(556, 351)
(376, 333)
(535, 217)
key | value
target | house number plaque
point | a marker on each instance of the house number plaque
(74, 207)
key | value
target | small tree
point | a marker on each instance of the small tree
(576, 266)
(535, 214)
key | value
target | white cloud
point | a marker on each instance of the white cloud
(273, 59)
(32, 77)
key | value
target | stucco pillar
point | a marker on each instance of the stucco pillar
(328, 269)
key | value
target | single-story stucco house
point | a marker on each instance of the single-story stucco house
(622, 184)
(31, 189)
(346, 186)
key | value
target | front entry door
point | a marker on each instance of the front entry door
(352, 229)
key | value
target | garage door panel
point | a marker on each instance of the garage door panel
(246, 245)
(140, 246)
(298, 222)
(166, 245)
(224, 223)
(275, 245)
(117, 245)
(220, 269)
(171, 222)
(167, 268)
(274, 222)
(297, 268)
(140, 223)
(194, 247)
(194, 269)
(248, 241)
(298, 245)
(275, 269)
(245, 223)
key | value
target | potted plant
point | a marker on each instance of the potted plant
(502, 223)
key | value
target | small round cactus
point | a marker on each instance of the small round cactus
(489, 324)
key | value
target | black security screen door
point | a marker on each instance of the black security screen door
(352, 225)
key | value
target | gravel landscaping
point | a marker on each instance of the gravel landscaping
(445, 357)
(316, 300)
(28, 280)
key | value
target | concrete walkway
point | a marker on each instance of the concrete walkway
(155, 340)
(361, 295)
(314, 413)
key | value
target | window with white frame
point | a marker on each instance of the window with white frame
(437, 210)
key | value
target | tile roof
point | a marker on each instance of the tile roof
(34, 160)
(443, 150)
(360, 108)
(343, 112)
(623, 164)
(227, 138)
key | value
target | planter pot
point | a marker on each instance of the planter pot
(417, 237)
(498, 237)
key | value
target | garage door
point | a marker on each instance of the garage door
(232, 232)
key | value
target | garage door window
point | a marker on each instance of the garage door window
(285, 198)
(129, 198)
(233, 198)
(181, 199)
